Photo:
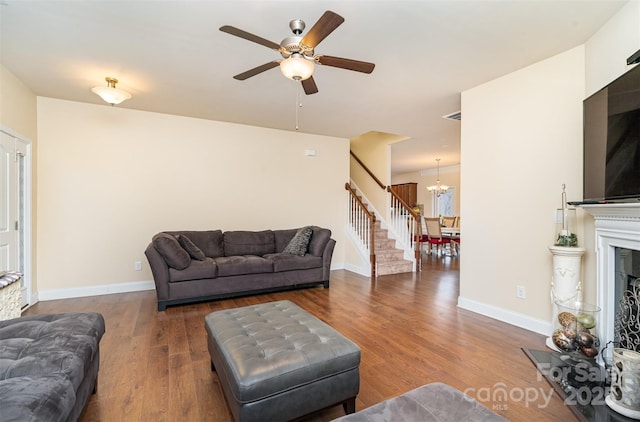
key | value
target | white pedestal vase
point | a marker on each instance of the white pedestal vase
(565, 283)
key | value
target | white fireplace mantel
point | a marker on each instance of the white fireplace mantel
(614, 211)
(617, 225)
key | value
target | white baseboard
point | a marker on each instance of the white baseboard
(358, 270)
(514, 318)
(104, 289)
(337, 266)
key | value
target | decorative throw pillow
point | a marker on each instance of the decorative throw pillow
(188, 245)
(171, 251)
(298, 245)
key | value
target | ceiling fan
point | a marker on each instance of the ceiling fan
(298, 51)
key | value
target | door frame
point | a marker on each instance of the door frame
(28, 214)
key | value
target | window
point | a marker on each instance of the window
(443, 204)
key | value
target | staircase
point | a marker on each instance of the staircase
(389, 259)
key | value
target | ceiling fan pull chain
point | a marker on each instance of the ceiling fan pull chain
(298, 103)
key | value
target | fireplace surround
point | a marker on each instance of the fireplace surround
(617, 231)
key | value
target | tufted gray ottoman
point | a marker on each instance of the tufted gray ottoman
(277, 362)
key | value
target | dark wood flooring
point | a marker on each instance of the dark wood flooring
(155, 365)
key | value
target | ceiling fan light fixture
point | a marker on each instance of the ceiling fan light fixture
(110, 93)
(297, 67)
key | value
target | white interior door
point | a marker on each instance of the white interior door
(14, 221)
(8, 233)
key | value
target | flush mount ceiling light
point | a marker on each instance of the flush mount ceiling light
(110, 93)
(297, 67)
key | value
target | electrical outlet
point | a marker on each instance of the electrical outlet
(137, 266)
(521, 292)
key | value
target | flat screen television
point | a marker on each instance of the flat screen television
(612, 141)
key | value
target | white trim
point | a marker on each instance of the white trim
(514, 318)
(365, 268)
(104, 289)
(358, 270)
(337, 266)
(28, 217)
(617, 225)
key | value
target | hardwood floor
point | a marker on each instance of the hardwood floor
(155, 365)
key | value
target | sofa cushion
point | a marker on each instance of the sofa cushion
(319, 240)
(283, 237)
(45, 397)
(197, 270)
(300, 242)
(168, 246)
(51, 343)
(258, 243)
(289, 262)
(209, 241)
(247, 264)
(436, 402)
(44, 360)
(194, 251)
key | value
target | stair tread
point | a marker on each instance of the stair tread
(388, 253)
(396, 261)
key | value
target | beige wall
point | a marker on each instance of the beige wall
(18, 115)
(521, 140)
(607, 50)
(605, 56)
(528, 125)
(17, 106)
(110, 178)
(449, 176)
(373, 149)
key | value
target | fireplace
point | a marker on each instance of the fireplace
(601, 390)
(617, 247)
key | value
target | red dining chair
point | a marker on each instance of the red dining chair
(434, 234)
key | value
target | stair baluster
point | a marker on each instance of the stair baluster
(363, 223)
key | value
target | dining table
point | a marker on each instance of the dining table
(450, 231)
(454, 234)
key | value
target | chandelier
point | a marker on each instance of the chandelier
(438, 189)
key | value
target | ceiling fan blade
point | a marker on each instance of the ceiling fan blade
(327, 23)
(256, 70)
(250, 37)
(309, 86)
(349, 64)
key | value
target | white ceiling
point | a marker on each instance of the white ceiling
(171, 56)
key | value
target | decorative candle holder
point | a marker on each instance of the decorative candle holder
(624, 397)
(566, 218)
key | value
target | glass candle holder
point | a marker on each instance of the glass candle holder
(565, 227)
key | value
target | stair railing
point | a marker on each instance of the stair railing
(362, 221)
(406, 224)
(369, 172)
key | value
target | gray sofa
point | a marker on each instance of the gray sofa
(191, 266)
(48, 365)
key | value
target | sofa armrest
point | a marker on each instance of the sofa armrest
(160, 271)
(326, 261)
